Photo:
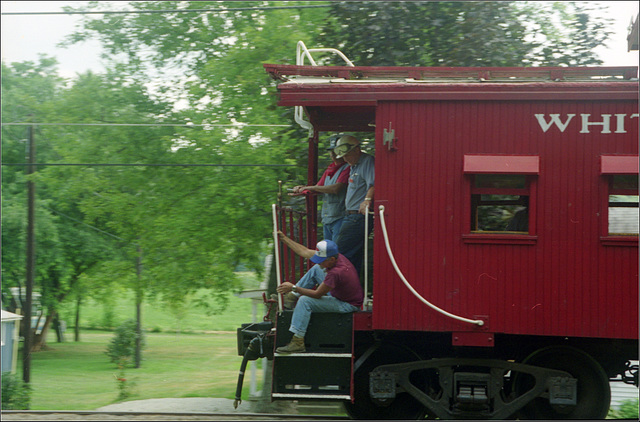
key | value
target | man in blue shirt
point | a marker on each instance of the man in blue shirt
(360, 193)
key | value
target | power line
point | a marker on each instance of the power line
(145, 165)
(122, 12)
(236, 125)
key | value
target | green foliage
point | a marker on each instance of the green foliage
(627, 410)
(122, 347)
(16, 395)
(466, 33)
(28, 91)
(125, 386)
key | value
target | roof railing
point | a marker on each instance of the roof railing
(473, 73)
(301, 52)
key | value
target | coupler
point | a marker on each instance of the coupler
(254, 341)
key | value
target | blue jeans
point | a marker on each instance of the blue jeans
(350, 240)
(331, 230)
(306, 305)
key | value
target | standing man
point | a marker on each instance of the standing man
(333, 186)
(360, 193)
(338, 288)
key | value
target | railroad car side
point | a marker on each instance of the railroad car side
(562, 275)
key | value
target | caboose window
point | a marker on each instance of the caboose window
(621, 184)
(623, 205)
(500, 203)
(501, 192)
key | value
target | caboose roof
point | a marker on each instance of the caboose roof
(345, 97)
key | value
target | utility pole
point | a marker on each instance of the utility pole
(31, 255)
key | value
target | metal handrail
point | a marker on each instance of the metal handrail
(301, 52)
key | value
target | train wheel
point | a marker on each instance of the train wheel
(594, 393)
(404, 406)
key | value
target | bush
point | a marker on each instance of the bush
(122, 347)
(16, 395)
(628, 410)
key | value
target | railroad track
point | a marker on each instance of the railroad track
(51, 415)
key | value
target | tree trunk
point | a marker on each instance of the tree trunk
(76, 329)
(58, 327)
(40, 340)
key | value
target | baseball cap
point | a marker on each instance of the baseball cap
(324, 250)
(333, 140)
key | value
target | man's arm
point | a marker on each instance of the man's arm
(296, 247)
(331, 189)
(320, 291)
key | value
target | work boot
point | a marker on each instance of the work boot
(295, 346)
(290, 300)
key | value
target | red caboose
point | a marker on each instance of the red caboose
(505, 265)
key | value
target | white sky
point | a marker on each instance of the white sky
(24, 36)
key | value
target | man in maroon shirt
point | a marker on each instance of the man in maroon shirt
(338, 288)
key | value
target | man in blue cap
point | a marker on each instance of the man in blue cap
(338, 288)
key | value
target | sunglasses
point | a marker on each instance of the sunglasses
(343, 149)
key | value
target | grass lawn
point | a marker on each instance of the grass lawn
(157, 317)
(79, 376)
(191, 356)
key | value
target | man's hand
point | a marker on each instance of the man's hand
(299, 190)
(363, 207)
(284, 288)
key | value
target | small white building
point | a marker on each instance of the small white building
(10, 333)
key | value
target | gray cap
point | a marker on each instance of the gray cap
(333, 141)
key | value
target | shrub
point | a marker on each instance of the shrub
(16, 395)
(122, 347)
(627, 410)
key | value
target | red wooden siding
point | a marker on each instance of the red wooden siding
(564, 282)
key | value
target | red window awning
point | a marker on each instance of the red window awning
(502, 164)
(619, 164)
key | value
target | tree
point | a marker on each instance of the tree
(27, 91)
(468, 33)
(566, 33)
(219, 56)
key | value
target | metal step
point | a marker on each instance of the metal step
(327, 332)
(311, 396)
(323, 372)
(313, 355)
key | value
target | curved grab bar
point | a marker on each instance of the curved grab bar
(301, 52)
(478, 322)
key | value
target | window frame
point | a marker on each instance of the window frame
(610, 166)
(520, 165)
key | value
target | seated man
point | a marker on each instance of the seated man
(338, 288)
